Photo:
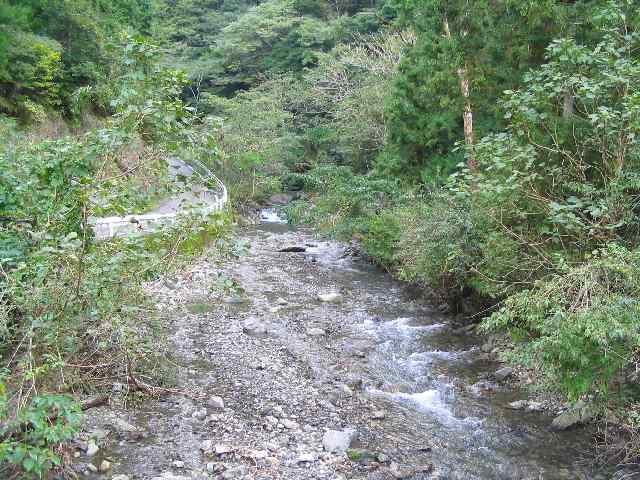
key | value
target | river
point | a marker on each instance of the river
(376, 358)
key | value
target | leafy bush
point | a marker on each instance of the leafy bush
(29, 434)
(579, 328)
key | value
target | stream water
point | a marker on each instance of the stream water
(420, 365)
(328, 365)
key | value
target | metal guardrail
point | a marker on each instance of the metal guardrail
(212, 198)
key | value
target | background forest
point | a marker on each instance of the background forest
(486, 151)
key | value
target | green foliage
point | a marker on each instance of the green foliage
(29, 434)
(578, 328)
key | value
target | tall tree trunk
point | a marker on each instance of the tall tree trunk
(467, 116)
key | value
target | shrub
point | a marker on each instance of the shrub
(578, 329)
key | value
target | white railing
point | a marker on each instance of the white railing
(212, 197)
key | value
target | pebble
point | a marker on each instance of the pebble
(378, 415)
(306, 458)
(290, 424)
(331, 297)
(178, 464)
(221, 449)
(316, 332)
(92, 468)
(200, 414)
(336, 441)
(235, 472)
(92, 448)
(215, 402)
(120, 477)
(503, 373)
(105, 466)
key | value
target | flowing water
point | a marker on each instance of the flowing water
(398, 354)
(419, 364)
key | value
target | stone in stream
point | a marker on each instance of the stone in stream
(290, 424)
(254, 326)
(580, 413)
(215, 402)
(316, 332)
(200, 414)
(92, 448)
(105, 466)
(503, 373)
(338, 441)
(331, 297)
(306, 458)
(235, 472)
(378, 415)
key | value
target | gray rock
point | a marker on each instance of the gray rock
(519, 405)
(200, 414)
(178, 464)
(378, 415)
(316, 332)
(580, 413)
(221, 449)
(535, 407)
(254, 326)
(338, 441)
(306, 458)
(92, 448)
(332, 297)
(120, 477)
(503, 373)
(105, 466)
(290, 424)
(215, 402)
(235, 472)
(92, 468)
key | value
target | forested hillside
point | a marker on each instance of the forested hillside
(487, 152)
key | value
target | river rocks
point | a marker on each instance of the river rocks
(105, 466)
(221, 449)
(255, 327)
(235, 472)
(215, 402)
(378, 415)
(120, 477)
(316, 332)
(336, 441)
(580, 413)
(331, 297)
(402, 472)
(92, 448)
(503, 373)
(527, 405)
(290, 424)
(306, 458)
(199, 414)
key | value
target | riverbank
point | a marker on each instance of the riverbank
(298, 344)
